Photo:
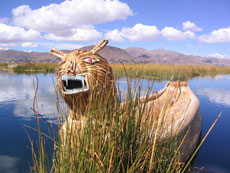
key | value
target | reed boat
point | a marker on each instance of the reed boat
(175, 111)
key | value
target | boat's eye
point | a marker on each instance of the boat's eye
(90, 60)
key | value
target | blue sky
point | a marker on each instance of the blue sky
(196, 27)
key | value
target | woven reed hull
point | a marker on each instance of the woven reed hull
(181, 115)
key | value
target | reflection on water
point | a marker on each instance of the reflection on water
(19, 90)
(8, 164)
(216, 95)
(16, 101)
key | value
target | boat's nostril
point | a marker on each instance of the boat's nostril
(71, 67)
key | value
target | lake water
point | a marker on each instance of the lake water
(16, 103)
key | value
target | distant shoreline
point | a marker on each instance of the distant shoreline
(149, 71)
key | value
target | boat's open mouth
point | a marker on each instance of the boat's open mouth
(74, 84)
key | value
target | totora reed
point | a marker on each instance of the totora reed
(157, 132)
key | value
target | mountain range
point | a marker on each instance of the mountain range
(114, 55)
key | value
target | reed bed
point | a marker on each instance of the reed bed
(167, 72)
(3, 65)
(34, 67)
(152, 71)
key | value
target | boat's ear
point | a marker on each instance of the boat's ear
(57, 53)
(99, 46)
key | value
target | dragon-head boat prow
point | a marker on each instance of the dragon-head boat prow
(81, 73)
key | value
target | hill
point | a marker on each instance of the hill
(20, 56)
(161, 56)
(117, 55)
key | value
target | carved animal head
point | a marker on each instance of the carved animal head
(82, 73)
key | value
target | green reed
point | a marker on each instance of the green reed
(35, 67)
(167, 72)
(115, 138)
(3, 65)
(152, 71)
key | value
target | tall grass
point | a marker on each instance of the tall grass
(111, 137)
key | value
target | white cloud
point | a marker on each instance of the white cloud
(173, 34)
(191, 26)
(60, 19)
(218, 55)
(221, 35)
(114, 35)
(8, 44)
(139, 32)
(29, 44)
(12, 34)
(78, 34)
(4, 48)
